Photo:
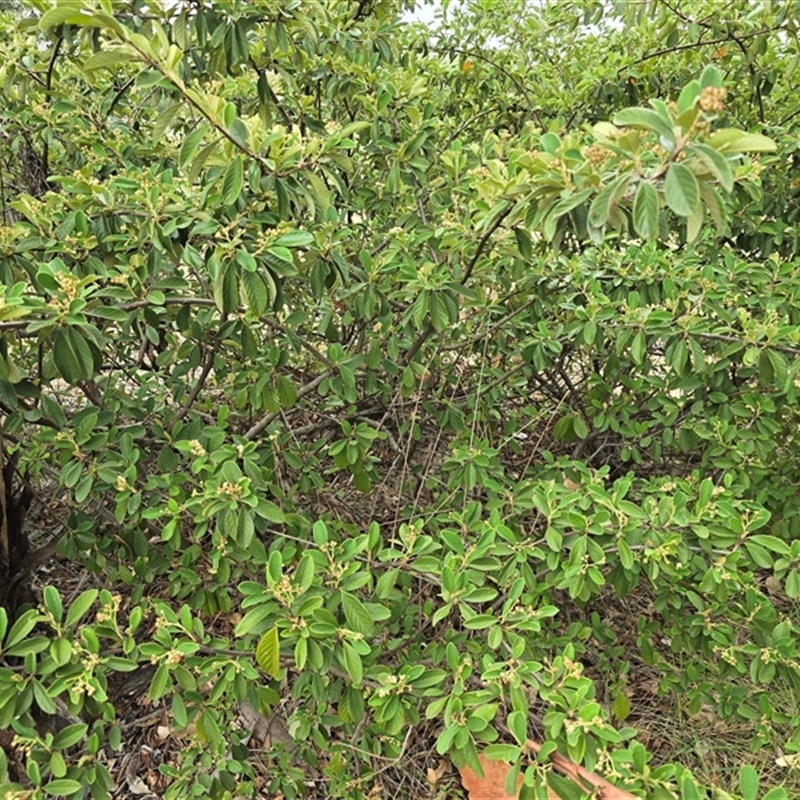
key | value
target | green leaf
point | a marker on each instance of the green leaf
(287, 393)
(440, 318)
(70, 735)
(644, 118)
(517, 722)
(712, 204)
(226, 287)
(645, 210)
(571, 201)
(62, 787)
(190, 145)
(694, 223)
(8, 395)
(688, 96)
(606, 198)
(159, 685)
(72, 356)
(319, 190)
(52, 602)
(681, 190)
(793, 584)
(233, 181)
(711, 77)
(501, 752)
(77, 14)
(164, 118)
(715, 163)
(622, 706)
(776, 793)
(21, 628)
(239, 133)
(748, 781)
(304, 574)
(268, 653)
(80, 606)
(524, 243)
(108, 58)
(352, 663)
(732, 140)
(255, 292)
(357, 616)
(295, 239)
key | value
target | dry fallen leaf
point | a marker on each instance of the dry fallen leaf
(163, 732)
(492, 785)
(435, 775)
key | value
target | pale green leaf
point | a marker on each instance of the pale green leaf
(164, 118)
(715, 163)
(268, 653)
(606, 198)
(732, 140)
(694, 222)
(681, 191)
(644, 118)
(108, 58)
(645, 210)
(688, 96)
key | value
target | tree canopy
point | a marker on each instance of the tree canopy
(423, 392)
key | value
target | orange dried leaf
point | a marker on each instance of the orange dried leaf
(492, 786)
(435, 775)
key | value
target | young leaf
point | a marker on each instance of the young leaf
(268, 653)
(732, 140)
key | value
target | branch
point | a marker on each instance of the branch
(301, 392)
(201, 381)
(689, 45)
(428, 330)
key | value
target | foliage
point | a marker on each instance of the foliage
(258, 255)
